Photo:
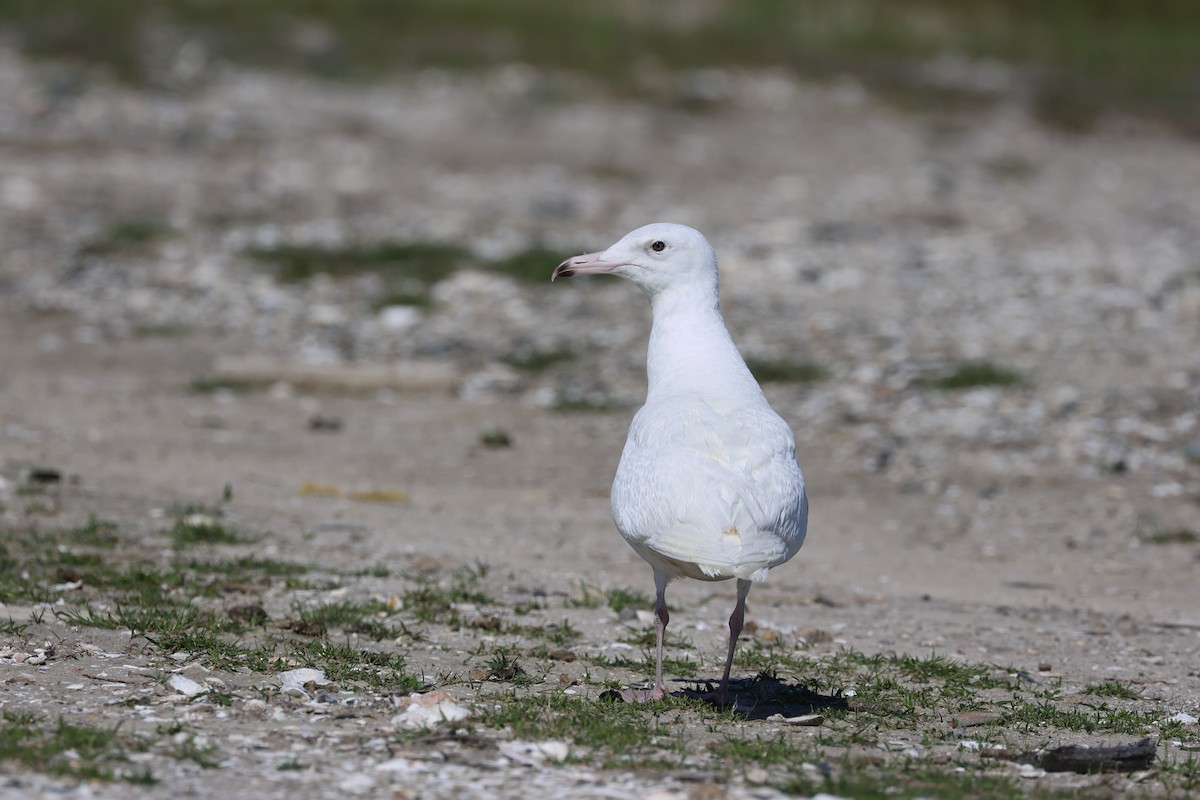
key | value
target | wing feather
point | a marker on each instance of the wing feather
(715, 488)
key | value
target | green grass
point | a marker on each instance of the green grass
(1170, 536)
(862, 780)
(970, 375)
(373, 619)
(538, 360)
(127, 236)
(495, 438)
(343, 663)
(585, 404)
(611, 727)
(620, 599)
(208, 385)
(533, 265)
(95, 533)
(739, 750)
(431, 601)
(408, 271)
(178, 602)
(786, 371)
(200, 526)
(617, 598)
(63, 748)
(1084, 56)
(1031, 716)
(1121, 691)
(427, 262)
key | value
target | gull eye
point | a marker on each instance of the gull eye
(658, 246)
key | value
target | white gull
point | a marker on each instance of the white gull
(708, 486)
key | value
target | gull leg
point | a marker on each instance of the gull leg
(736, 619)
(661, 618)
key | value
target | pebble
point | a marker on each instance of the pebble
(185, 685)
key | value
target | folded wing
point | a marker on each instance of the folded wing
(714, 492)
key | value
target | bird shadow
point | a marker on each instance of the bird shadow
(766, 695)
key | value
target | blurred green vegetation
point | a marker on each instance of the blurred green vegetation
(1082, 55)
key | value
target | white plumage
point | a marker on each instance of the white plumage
(708, 486)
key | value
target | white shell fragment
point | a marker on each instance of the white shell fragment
(1030, 771)
(534, 753)
(808, 720)
(300, 678)
(429, 710)
(1183, 717)
(300, 681)
(185, 685)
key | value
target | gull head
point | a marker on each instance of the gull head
(656, 257)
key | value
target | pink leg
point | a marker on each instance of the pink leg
(736, 619)
(661, 618)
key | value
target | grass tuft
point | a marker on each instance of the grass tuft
(786, 371)
(970, 375)
(199, 528)
(1170, 536)
(1112, 688)
(77, 751)
(128, 235)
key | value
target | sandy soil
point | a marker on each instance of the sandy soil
(1062, 602)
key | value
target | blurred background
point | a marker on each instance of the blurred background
(1071, 59)
(955, 235)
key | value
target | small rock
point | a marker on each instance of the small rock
(398, 318)
(828, 598)
(1183, 718)
(359, 783)
(323, 423)
(396, 765)
(1030, 771)
(185, 685)
(816, 636)
(757, 775)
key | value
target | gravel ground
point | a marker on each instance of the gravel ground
(1047, 525)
